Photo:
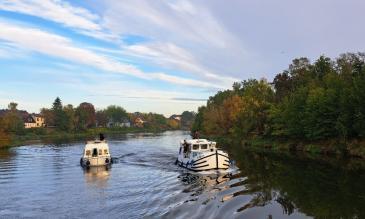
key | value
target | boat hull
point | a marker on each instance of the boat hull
(211, 161)
(95, 161)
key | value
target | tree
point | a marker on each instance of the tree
(256, 103)
(70, 117)
(101, 118)
(85, 114)
(12, 106)
(49, 116)
(283, 85)
(4, 137)
(60, 118)
(116, 113)
(198, 121)
(187, 119)
(12, 121)
(57, 104)
(172, 123)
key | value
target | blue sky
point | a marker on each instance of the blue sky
(160, 56)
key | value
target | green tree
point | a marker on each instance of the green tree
(187, 119)
(101, 118)
(70, 117)
(12, 122)
(4, 137)
(116, 113)
(12, 106)
(86, 117)
(60, 118)
(257, 99)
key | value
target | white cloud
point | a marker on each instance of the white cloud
(174, 57)
(61, 47)
(60, 12)
(183, 36)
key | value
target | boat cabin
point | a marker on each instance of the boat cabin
(196, 145)
(96, 149)
(96, 153)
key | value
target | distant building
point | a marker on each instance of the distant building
(125, 123)
(176, 117)
(34, 121)
(138, 122)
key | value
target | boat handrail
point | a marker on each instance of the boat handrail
(95, 141)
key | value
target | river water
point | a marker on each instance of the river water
(46, 181)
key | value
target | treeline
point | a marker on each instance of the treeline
(307, 102)
(84, 116)
(63, 119)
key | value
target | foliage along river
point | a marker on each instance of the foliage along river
(46, 181)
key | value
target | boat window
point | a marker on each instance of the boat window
(100, 152)
(105, 151)
(95, 152)
(204, 146)
(88, 152)
(195, 147)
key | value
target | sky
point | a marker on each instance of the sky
(161, 56)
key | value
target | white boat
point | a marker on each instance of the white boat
(96, 153)
(201, 155)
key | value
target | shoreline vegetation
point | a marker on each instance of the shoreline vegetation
(64, 137)
(62, 123)
(317, 108)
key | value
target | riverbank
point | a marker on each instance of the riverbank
(350, 148)
(51, 135)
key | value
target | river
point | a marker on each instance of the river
(46, 181)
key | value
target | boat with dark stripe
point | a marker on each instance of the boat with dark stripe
(202, 155)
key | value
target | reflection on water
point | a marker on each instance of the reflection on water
(277, 186)
(47, 181)
(97, 176)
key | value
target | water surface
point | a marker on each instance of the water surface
(43, 181)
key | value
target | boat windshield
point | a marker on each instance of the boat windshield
(95, 152)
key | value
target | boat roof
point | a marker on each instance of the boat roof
(96, 144)
(198, 141)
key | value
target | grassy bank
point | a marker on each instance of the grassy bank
(51, 135)
(351, 148)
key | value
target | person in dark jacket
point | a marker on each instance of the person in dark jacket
(196, 135)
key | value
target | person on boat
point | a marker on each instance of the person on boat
(185, 144)
(196, 135)
(101, 137)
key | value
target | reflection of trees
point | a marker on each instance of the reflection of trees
(198, 183)
(316, 188)
(6, 154)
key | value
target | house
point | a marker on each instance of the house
(34, 121)
(124, 123)
(176, 117)
(138, 122)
